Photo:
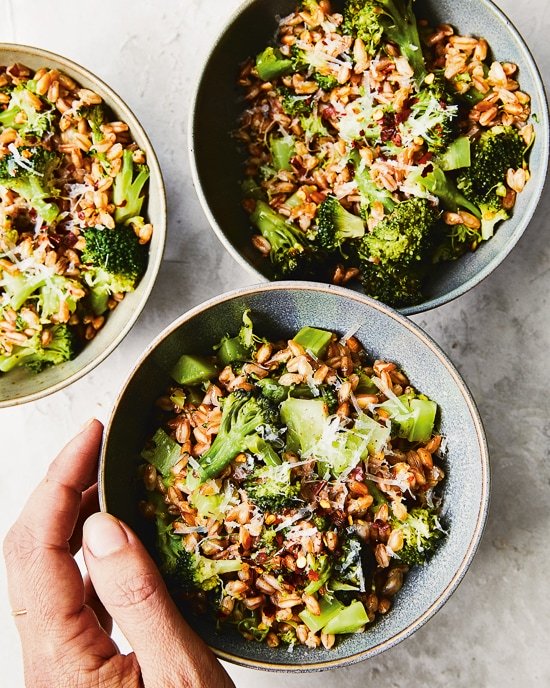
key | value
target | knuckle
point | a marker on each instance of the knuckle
(135, 590)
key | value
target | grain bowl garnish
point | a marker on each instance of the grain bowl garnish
(292, 485)
(73, 237)
(377, 146)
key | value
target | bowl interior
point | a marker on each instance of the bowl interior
(247, 33)
(20, 385)
(278, 311)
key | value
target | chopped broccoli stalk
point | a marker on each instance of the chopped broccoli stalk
(239, 348)
(370, 193)
(335, 224)
(271, 489)
(282, 150)
(365, 384)
(415, 418)
(377, 435)
(403, 237)
(189, 570)
(53, 292)
(392, 284)
(305, 420)
(18, 288)
(457, 155)
(28, 170)
(290, 251)
(351, 619)
(258, 446)
(271, 64)
(377, 495)
(394, 20)
(164, 452)
(322, 568)
(241, 417)
(34, 355)
(313, 340)
(421, 535)
(192, 370)
(36, 122)
(127, 189)
(329, 609)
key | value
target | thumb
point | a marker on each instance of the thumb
(128, 583)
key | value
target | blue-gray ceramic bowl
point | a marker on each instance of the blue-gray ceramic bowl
(280, 309)
(217, 165)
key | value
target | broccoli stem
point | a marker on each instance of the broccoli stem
(349, 620)
(270, 64)
(457, 155)
(314, 340)
(329, 609)
(164, 454)
(192, 370)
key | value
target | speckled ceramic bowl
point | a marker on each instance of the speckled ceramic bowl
(279, 310)
(217, 166)
(19, 385)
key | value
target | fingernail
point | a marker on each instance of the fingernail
(87, 424)
(104, 535)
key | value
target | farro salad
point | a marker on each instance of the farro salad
(377, 146)
(292, 484)
(73, 237)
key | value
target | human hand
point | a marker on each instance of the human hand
(64, 621)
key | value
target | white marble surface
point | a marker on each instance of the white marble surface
(494, 632)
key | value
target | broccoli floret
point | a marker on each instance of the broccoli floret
(291, 253)
(393, 20)
(493, 154)
(239, 348)
(271, 489)
(28, 170)
(55, 290)
(348, 571)
(189, 570)
(116, 262)
(320, 571)
(326, 81)
(335, 224)
(441, 185)
(422, 534)
(330, 397)
(294, 104)
(270, 411)
(37, 356)
(242, 415)
(433, 119)
(95, 115)
(268, 540)
(392, 284)
(403, 237)
(127, 188)
(458, 241)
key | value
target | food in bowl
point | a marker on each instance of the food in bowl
(377, 146)
(73, 231)
(292, 484)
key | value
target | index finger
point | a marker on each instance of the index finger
(43, 578)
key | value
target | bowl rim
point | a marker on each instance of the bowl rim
(160, 188)
(462, 387)
(478, 277)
